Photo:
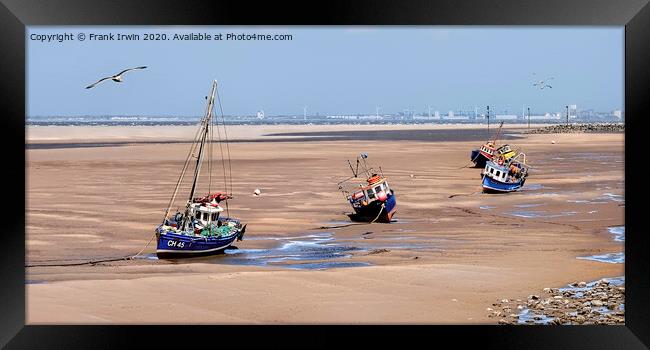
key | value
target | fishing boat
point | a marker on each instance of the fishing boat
(200, 229)
(372, 200)
(502, 176)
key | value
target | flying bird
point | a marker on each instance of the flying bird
(116, 78)
(542, 83)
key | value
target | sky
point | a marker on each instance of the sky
(328, 70)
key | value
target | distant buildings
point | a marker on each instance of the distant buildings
(460, 115)
(355, 117)
(505, 116)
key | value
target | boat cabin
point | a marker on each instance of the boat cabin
(205, 213)
(505, 151)
(377, 189)
(512, 172)
(487, 150)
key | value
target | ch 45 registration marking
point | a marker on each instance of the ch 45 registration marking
(176, 244)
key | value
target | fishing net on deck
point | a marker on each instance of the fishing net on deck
(216, 231)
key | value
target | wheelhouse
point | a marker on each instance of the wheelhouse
(203, 214)
(496, 172)
(488, 150)
(506, 151)
(377, 189)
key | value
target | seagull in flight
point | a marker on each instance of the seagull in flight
(542, 83)
(116, 78)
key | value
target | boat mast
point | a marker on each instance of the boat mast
(206, 129)
(203, 133)
(498, 132)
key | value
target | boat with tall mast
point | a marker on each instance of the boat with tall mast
(373, 200)
(200, 229)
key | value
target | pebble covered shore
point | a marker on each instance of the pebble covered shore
(599, 302)
(579, 128)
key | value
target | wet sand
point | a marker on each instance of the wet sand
(444, 260)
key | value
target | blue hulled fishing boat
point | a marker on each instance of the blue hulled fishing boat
(373, 200)
(501, 175)
(200, 229)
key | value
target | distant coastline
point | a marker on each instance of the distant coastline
(290, 120)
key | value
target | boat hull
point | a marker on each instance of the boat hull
(375, 211)
(492, 186)
(175, 246)
(478, 158)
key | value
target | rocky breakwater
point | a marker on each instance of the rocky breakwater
(579, 128)
(599, 302)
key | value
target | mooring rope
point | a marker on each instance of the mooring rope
(471, 161)
(383, 206)
(145, 246)
(90, 262)
(93, 262)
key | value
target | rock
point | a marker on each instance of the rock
(596, 302)
(579, 128)
(504, 301)
(582, 284)
(553, 142)
(533, 297)
(489, 309)
(257, 192)
(503, 321)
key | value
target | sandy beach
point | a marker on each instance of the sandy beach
(451, 252)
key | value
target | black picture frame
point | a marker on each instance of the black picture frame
(15, 15)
